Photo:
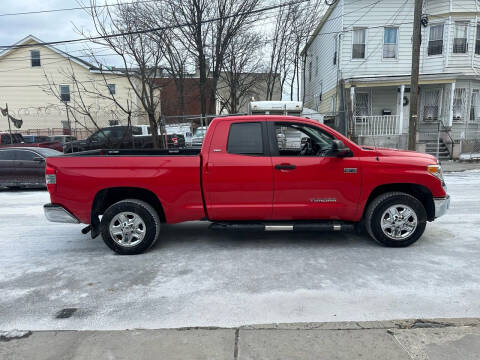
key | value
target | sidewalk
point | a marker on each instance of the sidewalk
(438, 339)
(453, 166)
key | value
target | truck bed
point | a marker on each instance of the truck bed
(173, 176)
(137, 152)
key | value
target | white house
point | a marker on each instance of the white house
(358, 61)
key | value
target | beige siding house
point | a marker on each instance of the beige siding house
(36, 83)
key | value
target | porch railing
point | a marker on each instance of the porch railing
(377, 125)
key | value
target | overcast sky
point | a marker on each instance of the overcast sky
(46, 26)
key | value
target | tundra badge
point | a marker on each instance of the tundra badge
(350, 170)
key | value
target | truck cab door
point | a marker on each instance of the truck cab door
(310, 183)
(238, 175)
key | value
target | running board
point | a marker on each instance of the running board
(297, 227)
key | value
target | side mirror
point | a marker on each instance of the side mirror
(39, 159)
(340, 150)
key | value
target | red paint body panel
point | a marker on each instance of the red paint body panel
(174, 180)
(238, 187)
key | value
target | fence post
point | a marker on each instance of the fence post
(438, 141)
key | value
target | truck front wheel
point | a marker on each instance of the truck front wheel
(396, 219)
(130, 226)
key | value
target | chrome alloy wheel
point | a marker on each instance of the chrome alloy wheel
(127, 229)
(399, 222)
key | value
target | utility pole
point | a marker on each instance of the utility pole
(417, 42)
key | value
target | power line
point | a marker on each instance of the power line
(75, 8)
(251, 12)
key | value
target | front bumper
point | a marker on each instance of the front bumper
(441, 206)
(57, 213)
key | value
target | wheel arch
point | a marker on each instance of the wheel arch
(109, 196)
(422, 193)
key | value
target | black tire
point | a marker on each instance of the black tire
(147, 214)
(373, 218)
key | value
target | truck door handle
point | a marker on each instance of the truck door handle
(285, 167)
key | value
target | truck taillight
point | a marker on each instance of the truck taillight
(51, 178)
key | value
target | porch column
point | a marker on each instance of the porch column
(452, 97)
(400, 121)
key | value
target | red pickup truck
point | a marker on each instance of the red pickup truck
(270, 173)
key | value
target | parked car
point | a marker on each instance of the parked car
(30, 139)
(24, 166)
(7, 140)
(174, 140)
(243, 178)
(62, 139)
(198, 136)
(119, 137)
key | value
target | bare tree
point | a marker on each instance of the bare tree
(241, 74)
(293, 25)
(143, 58)
(211, 25)
(81, 104)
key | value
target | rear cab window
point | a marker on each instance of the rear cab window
(246, 138)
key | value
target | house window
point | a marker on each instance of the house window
(477, 45)
(460, 45)
(111, 89)
(435, 43)
(362, 104)
(359, 43)
(475, 106)
(390, 43)
(459, 101)
(114, 123)
(332, 104)
(35, 58)
(431, 104)
(65, 93)
(310, 71)
(316, 66)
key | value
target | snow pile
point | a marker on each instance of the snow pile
(14, 334)
(470, 156)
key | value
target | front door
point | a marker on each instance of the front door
(238, 173)
(30, 172)
(310, 183)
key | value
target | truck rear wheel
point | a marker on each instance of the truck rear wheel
(396, 219)
(130, 227)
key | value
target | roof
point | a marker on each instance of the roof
(30, 38)
(319, 27)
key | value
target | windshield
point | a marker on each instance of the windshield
(200, 132)
(46, 152)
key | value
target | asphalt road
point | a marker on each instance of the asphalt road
(53, 277)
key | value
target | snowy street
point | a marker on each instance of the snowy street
(53, 277)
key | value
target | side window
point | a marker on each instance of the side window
(136, 130)
(6, 139)
(25, 155)
(302, 140)
(7, 155)
(245, 139)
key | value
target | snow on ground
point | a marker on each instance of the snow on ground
(194, 277)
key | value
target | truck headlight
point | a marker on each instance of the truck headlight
(436, 170)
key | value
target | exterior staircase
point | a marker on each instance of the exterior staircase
(443, 152)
